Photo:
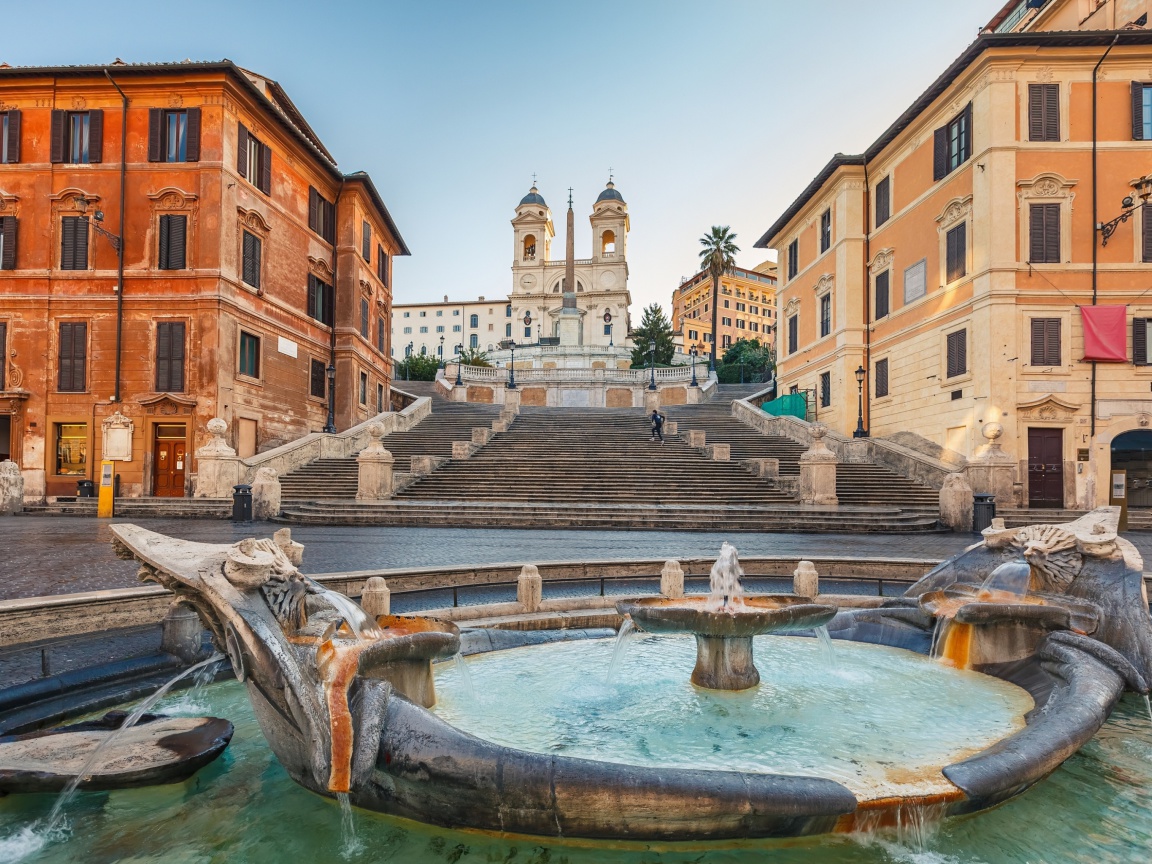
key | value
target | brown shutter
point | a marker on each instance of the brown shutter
(73, 361)
(329, 304)
(64, 359)
(57, 134)
(163, 257)
(883, 201)
(967, 131)
(1137, 111)
(940, 154)
(177, 242)
(1038, 355)
(155, 134)
(313, 209)
(176, 364)
(251, 264)
(1035, 112)
(1045, 341)
(80, 262)
(8, 258)
(882, 280)
(265, 169)
(1140, 341)
(3, 350)
(313, 305)
(957, 353)
(1052, 233)
(193, 148)
(1146, 219)
(13, 136)
(96, 136)
(882, 377)
(242, 152)
(1036, 233)
(1051, 112)
(163, 357)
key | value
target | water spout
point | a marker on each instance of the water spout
(726, 592)
(827, 652)
(362, 625)
(1148, 706)
(626, 630)
(1013, 577)
(461, 667)
(350, 843)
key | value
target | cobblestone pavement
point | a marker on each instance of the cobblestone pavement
(41, 555)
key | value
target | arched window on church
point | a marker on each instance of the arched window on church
(579, 286)
(556, 288)
(608, 244)
(530, 247)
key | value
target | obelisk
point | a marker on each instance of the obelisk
(569, 315)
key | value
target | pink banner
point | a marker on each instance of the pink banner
(1105, 333)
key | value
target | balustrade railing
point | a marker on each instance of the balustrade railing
(664, 375)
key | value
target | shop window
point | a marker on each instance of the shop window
(72, 449)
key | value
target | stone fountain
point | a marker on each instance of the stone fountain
(725, 622)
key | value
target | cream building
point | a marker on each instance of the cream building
(479, 324)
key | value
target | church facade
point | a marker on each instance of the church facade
(600, 282)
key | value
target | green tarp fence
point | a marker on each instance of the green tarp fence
(792, 405)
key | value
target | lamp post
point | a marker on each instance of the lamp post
(408, 361)
(860, 432)
(692, 352)
(459, 358)
(330, 426)
(441, 350)
(1143, 189)
(512, 366)
(652, 364)
(117, 244)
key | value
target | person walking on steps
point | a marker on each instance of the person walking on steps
(657, 425)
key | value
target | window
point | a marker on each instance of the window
(455, 328)
(73, 365)
(1141, 328)
(793, 333)
(366, 242)
(439, 328)
(9, 137)
(170, 357)
(883, 201)
(491, 327)
(881, 307)
(3, 350)
(825, 389)
(363, 388)
(423, 314)
(755, 310)
(439, 313)
(1044, 233)
(473, 321)
(379, 398)
(793, 258)
(249, 355)
(607, 329)
(952, 144)
(956, 247)
(826, 230)
(455, 313)
(77, 137)
(507, 331)
(250, 266)
(8, 247)
(740, 307)
(508, 311)
(254, 160)
(72, 448)
(364, 317)
(425, 329)
(725, 322)
(407, 314)
(381, 264)
(474, 341)
(881, 377)
(528, 332)
(957, 353)
(173, 242)
(317, 379)
(1043, 112)
(1141, 111)
(1045, 341)
(173, 136)
(380, 335)
(74, 243)
(407, 330)
(825, 315)
(725, 341)
(321, 215)
(726, 306)
(321, 301)
(916, 280)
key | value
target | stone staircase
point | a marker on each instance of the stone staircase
(326, 479)
(1018, 517)
(856, 485)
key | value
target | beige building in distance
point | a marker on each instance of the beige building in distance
(479, 324)
(747, 308)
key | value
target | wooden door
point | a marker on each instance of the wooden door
(1046, 468)
(169, 461)
(246, 439)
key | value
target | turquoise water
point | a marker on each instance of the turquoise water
(243, 808)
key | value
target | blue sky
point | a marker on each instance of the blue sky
(709, 112)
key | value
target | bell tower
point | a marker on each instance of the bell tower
(532, 242)
(610, 226)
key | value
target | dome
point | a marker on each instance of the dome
(610, 194)
(533, 197)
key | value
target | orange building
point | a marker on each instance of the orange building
(251, 265)
(747, 308)
(956, 260)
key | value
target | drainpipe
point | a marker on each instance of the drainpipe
(120, 232)
(1096, 214)
(868, 296)
(330, 426)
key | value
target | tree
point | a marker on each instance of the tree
(746, 360)
(653, 325)
(417, 367)
(717, 258)
(474, 357)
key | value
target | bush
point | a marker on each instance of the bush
(418, 367)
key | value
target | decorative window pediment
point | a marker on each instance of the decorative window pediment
(1049, 408)
(1047, 185)
(882, 261)
(321, 269)
(957, 210)
(823, 285)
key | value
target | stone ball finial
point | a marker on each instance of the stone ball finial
(376, 430)
(992, 431)
(217, 426)
(818, 431)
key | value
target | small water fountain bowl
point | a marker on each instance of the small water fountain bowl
(724, 659)
(971, 604)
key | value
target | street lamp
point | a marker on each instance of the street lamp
(693, 353)
(408, 361)
(512, 367)
(652, 364)
(459, 363)
(441, 350)
(330, 426)
(1143, 189)
(860, 432)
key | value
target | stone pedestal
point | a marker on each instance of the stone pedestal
(181, 633)
(529, 588)
(818, 471)
(569, 330)
(769, 469)
(651, 401)
(991, 471)
(463, 449)
(805, 580)
(500, 425)
(376, 599)
(218, 468)
(11, 488)
(265, 494)
(696, 437)
(511, 402)
(956, 504)
(670, 427)
(422, 465)
(672, 579)
(724, 663)
(718, 452)
(481, 435)
(375, 465)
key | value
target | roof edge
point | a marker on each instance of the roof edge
(364, 178)
(840, 160)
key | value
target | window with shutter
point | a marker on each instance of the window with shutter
(320, 301)
(170, 357)
(825, 230)
(366, 242)
(363, 388)
(825, 315)
(173, 242)
(1045, 341)
(317, 379)
(952, 144)
(881, 377)
(251, 263)
(793, 258)
(382, 264)
(379, 398)
(73, 356)
(957, 353)
(956, 249)
(1044, 233)
(1043, 112)
(1146, 226)
(1140, 330)
(9, 137)
(95, 136)
(249, 355)
(881, 307)
(7, 248)
(793, 334)
(1141, 111)
(74, 243)
(380, 335)
(321, 215)
(77, 141)
(3, 350)
(825, 389)
(883, 201)
(364, 317)
(242, 151)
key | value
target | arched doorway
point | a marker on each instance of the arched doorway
(1132, 452)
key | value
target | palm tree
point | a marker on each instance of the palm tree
(717, 258)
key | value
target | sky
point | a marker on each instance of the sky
(707, 113)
